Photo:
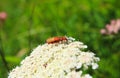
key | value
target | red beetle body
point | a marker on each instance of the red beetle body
(55, 39)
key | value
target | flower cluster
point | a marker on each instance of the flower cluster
(65, 59)
(112, 28)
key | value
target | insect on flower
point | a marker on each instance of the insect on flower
(55, 39)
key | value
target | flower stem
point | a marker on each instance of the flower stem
(2, 50)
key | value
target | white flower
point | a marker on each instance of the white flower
(94, 66)
(87, 76)
(58, 60)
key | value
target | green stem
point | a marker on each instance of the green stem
(2, 50)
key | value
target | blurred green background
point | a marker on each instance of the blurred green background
(30, 22)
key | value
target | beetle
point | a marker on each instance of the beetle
(55, 39)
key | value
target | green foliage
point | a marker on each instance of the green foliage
(35, 21)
